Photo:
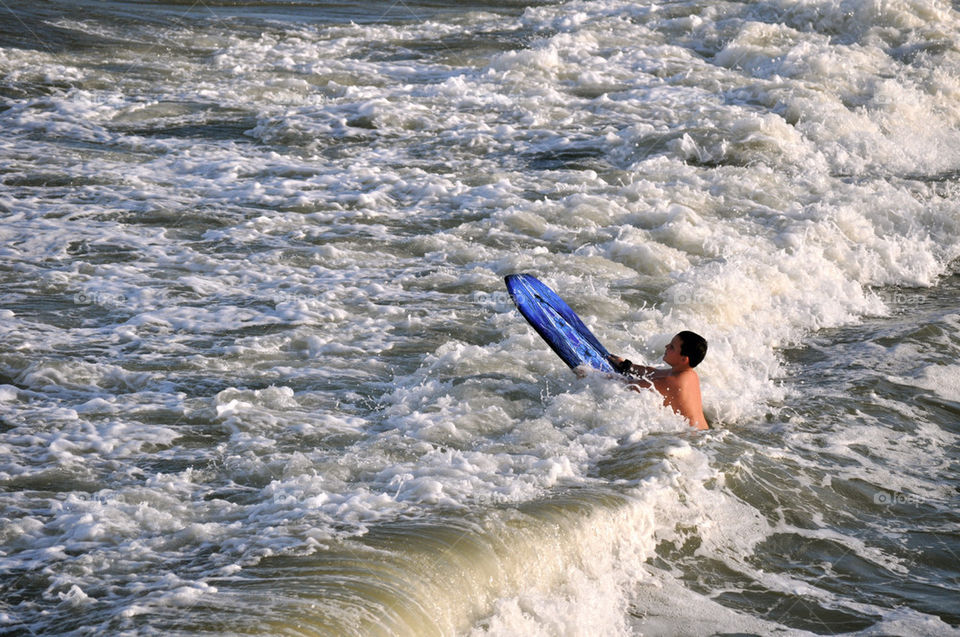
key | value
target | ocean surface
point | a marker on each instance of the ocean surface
(259, 373)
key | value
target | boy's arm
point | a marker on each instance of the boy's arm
(627, 368)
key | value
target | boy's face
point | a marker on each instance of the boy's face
(672, 355)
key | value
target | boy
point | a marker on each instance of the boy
(679, 385)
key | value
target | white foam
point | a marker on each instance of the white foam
(942, 380)
(319, 286)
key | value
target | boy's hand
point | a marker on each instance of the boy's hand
(620, 365)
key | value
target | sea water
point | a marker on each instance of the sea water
(260, 374)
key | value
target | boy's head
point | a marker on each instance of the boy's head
(693, 346)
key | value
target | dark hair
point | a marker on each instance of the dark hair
(693, 346)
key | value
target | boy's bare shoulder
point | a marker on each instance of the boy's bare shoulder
(680, 378)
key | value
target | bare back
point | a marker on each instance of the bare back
(681, 392)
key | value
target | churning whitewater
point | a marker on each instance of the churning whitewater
(260, 374)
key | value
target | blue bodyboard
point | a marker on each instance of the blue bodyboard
(556, 323)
